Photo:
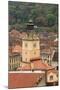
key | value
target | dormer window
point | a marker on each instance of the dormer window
(51, 77)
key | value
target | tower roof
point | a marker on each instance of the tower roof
(30, 25)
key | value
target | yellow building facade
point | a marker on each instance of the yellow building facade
(30, 48)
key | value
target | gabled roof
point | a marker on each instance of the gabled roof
(22, 80)
(27, 66)
(38, 64)
(53, 71)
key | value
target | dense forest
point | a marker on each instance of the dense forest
(45, 16)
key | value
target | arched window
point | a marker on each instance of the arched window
(51, 77)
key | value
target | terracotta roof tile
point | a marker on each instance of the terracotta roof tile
(53, 71)
(21, 80)
(37, 65)
(17, 48)
(25, 67)
(14, 32)
(40, 65)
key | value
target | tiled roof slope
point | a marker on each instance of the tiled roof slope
(22, 80)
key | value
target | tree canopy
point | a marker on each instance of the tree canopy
(43, 15)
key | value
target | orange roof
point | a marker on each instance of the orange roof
(38, 64)
(21, 80)
(14, 32)
(16, 49)
(10, 49)
(53, 71)
(25, 67)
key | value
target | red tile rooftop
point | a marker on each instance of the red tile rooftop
(17, 48)
(37, 65)
(23, 80)
(53, 71)
(15, 32)
(25, 67)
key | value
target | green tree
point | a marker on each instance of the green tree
(51, 19)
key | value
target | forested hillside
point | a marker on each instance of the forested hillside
(45, 16)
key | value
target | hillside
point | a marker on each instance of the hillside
(45, 16)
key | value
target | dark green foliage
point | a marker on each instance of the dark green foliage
(51, 19)
(43, 15)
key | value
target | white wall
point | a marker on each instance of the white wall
(55, 78)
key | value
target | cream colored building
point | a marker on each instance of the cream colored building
(30, 48)
(14, 62)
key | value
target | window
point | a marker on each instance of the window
(10, 60)
(25, 44)
(51, 77)
(10, 68)
(34, 52)
(57, 75)
(34, 45)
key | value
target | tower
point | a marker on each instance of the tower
(30, 44)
